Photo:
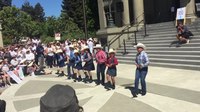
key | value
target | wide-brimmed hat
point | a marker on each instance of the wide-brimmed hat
(85, 47)
(98, 46)
(140, 45)
(71, 46)
(76, 51)
(59, 51)
(112, 51)
(90, 39)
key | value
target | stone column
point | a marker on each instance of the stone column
(138, 10)
(1, 38)
(191, 8)
(126, 16)
(102, 17)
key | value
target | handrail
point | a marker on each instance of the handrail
(110, 43)
(127, 27)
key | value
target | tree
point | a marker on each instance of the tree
(5, 3)
(26, 7)
(15, 23)
(73, 9)
(38, 13)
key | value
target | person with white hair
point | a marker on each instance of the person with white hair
(141, 62)
(90, 44)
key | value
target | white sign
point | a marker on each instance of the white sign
(57, 36)
(181, 12)
(14, 77)
(198, 6)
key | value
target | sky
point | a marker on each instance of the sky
(51, 7)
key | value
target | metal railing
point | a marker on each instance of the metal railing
(123, 31)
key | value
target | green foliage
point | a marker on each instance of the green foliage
(14, 22)
(73, 9)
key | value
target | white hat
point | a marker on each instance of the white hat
(111, 51)
(140, 45)
(90, 39)
(1, 60)
(71, 46)
(98, 46)
(59, 51)
(85, 47)
(76, 51)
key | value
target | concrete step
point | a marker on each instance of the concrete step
(163, 60)
(160, 37)
(184, 57)
(165, 48)
(168, 65)
(163, 52)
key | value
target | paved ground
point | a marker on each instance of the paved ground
(169, 90)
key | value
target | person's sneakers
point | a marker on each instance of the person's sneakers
(188, 41)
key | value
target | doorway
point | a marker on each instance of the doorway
(157, 11)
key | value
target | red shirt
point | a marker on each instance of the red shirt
(101, 57)
(112, 61)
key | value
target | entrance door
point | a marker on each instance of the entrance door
(157, 11)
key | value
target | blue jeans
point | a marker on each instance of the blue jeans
(101, 71)
(140, 74)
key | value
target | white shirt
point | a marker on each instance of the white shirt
(30, 56)
(13, 53)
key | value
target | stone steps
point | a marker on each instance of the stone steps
(158, 41)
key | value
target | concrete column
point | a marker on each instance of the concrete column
(102, 17)
(138, 10)
(1, 38)
(191, 8)
(126, 16)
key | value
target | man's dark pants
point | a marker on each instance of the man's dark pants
(101, 71)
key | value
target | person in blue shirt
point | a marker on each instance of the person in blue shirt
(71, 62)
(141, 62)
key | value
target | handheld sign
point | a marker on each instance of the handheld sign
(57, 36)
(181, 14)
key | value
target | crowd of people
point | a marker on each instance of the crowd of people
(78, 55)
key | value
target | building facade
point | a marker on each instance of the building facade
(114, 15)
